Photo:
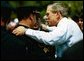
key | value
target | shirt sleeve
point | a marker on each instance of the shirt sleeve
(51, 28)
(55, 37)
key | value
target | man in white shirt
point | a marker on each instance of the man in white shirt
(64, 35)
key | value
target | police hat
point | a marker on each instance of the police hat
(24, 12)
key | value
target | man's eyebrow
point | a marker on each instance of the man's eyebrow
(47, 14)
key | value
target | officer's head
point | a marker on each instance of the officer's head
(28, 16)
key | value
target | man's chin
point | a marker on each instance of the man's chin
(50, 25)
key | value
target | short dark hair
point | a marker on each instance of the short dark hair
(24, 12)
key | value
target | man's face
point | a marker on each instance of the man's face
(34, 23)
(51, 18)
(29, 22)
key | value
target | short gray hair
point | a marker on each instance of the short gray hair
(58, 7)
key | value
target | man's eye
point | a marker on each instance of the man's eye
(47, 14)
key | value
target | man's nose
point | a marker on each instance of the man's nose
(45, 17)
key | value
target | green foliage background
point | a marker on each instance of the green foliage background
(75, 8)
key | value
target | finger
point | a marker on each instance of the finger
(15, 29)
(18, 34)
(15, 32)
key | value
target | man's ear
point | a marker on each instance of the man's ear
(31, 17)
(58, 15)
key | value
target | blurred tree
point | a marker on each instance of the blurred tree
(74, 7)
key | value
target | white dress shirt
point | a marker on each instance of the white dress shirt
(66, 34)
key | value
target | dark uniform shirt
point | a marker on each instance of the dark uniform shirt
(21, 47)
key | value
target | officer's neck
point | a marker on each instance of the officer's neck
(25, 22)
